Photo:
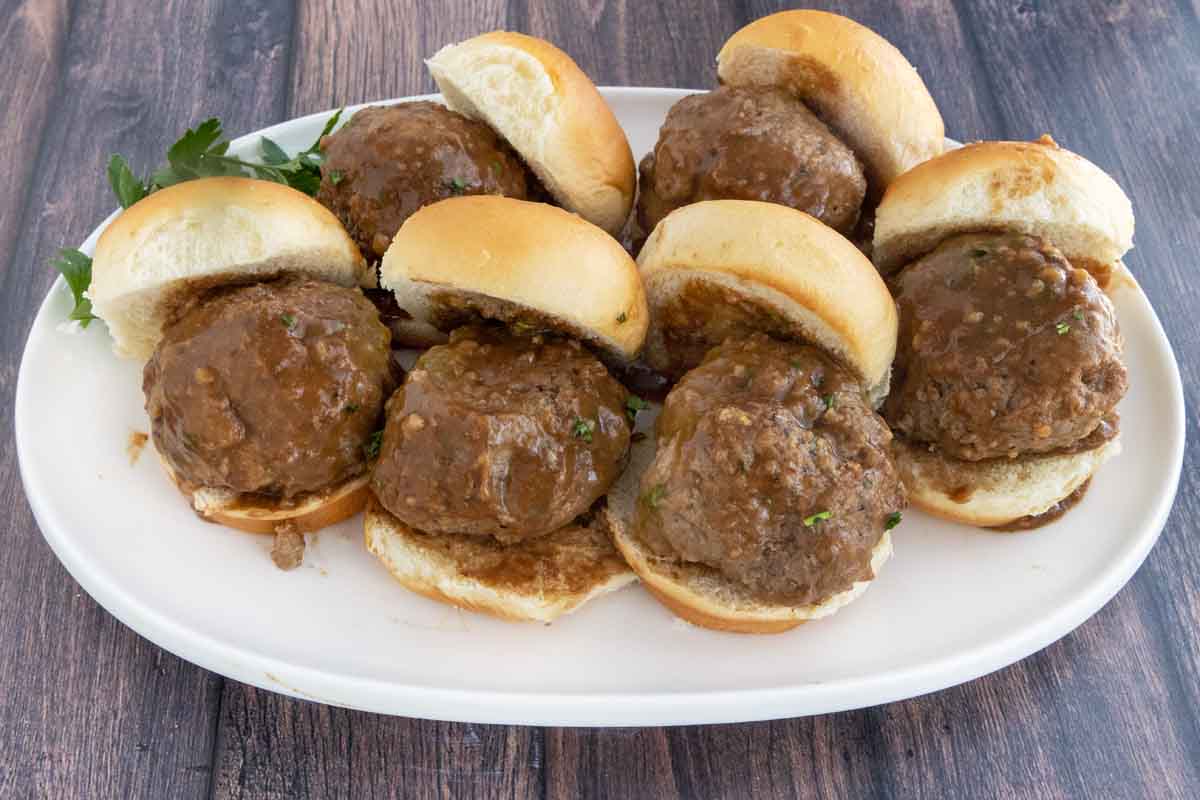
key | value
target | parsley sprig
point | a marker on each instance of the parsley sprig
(76, 269)
(202, 153)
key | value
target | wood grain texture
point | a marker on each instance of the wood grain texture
(90, 710)
(271, 746)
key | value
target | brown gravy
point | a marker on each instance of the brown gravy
(1049, 515)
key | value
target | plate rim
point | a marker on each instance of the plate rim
(652, 708)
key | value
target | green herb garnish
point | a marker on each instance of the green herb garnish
(892, 521)
(457, 185)
(201, 153)
(1062, 328)
(351, 408)
(820, 516)
(830, 401)
(1077, 314)
(634, 404)
(655, 495)
(978, 253)
(128, 187)
(335, 177)
(76, 269)
(583, 428)
(374, 442)
(288, 320)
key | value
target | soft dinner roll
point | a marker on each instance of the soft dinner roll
(792, 276)
(535, 581)
(519, 262)
(1029, 187)
(204, 233)
(853, 78)
(538, 99)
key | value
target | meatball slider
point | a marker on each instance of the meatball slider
(500, 443)
(266, 367)
(769, 495)
(523, 121)
(1008, 370)
(814, 111)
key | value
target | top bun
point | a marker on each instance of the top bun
(853, 78)
(777, 270)
(523, 263)
(204, 233)
(1028, 187)
(538, 99)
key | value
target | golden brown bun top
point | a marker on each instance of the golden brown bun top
(784, 260)
(539, 99)
(518, 261)
(853, 78)
(206, 232)
(1035, 188)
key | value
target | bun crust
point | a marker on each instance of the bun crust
(1000, 492)
(853, 78)
(1027, 187)
(535, 581)
(314, 512)
(701, 595)
(206, 232)
(788, 265)
(538, 99)
(515, 260)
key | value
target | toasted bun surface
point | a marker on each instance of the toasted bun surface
(538, 99)
(994, 492)
(534, 581)
(697, 593)
(259, 515)
(207, 232)
(514, 260)
(853, 78)
(1028, 187)
(798, 272)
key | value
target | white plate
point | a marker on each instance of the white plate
(953, 604)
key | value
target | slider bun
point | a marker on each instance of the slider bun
(258, 515)
(1000, 490)
(697, 593)
(538, 99)
(516, 261)
(1027, 187)
(854, 79)
(204, 233)
(805, 280)
(533, 581)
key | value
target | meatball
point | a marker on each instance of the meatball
(750, 144)
(1005, 348)
(270, 388)
(772, 470)
(388, 161)
(501, 435)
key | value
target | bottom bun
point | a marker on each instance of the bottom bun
(534, 581)
(997, 491)
(259, 515)
(700, 594)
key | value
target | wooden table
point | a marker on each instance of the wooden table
(89, 709)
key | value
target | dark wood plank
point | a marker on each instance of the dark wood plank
(371, 50)
(34, 35)
(271, 746)
(90, 709)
